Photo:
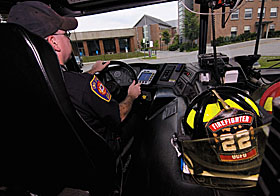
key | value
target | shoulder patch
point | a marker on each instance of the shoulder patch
(99, 89)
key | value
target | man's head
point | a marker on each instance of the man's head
(40, 19)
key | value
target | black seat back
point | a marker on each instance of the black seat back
(270, 170)
(44, 144)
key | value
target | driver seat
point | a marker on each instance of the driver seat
(45, 145)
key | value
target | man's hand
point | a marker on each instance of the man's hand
(134, 90)
(98, 66)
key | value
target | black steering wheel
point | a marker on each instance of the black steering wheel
(117, 77)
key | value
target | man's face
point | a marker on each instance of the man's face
(61, 44)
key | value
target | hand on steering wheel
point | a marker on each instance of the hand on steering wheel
(118, 91)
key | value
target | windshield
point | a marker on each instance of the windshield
(172, 31)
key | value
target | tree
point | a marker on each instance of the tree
(156, 45)
(191, 26)
(165, 37)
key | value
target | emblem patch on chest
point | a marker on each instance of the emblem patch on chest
(99, 89)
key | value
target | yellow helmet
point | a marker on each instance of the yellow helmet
(220, 135)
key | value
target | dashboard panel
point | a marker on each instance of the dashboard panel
(146, 76)
(186, 80)
(163, 75)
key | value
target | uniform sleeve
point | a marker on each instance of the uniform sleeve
(100, 102)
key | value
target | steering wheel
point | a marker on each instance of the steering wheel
(117, 77)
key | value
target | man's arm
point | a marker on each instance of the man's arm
(125, 106)
(98, 66)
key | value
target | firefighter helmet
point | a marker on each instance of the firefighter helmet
(272, 92)
(220, 135)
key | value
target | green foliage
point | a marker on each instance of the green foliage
(173, 47)
(175, 44)
(188, 47)
(273, 34)
(156, 45)
(191, 26)
(176, 39)
(165, 37)
(220, 41)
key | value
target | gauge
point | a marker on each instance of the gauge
(117, 74)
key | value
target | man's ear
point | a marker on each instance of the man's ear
(54, 43)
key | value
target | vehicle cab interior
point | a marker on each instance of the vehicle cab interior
(46, 146)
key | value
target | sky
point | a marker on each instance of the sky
(127, 18)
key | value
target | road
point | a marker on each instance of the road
(267, 47)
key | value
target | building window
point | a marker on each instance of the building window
(248, 13)
(181, 14)
(93, 47)
(146, 32)
(124, 44)
(273, 12)
(272, 27)
(181, 9)
(247, 29)
(109, 46)
(78, 48)
(233, 31)
(259, 12)
(235, 15)
(181, 23)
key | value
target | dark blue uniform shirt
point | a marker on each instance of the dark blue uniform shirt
(94, 103)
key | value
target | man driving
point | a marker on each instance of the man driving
(90, 97)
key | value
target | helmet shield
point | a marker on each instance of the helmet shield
(228, 160)
(221, 144)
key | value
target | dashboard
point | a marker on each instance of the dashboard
(185, 79)
(168, 80)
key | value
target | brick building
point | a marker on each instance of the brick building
(150, 29)
(103, 42)
(244, 19)
(122, 40)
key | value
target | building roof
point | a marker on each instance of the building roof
(148, 20)
(104, 34)
(173, 23)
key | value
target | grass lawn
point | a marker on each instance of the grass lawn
(108, 57)
(264, 64)
(152, 57)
